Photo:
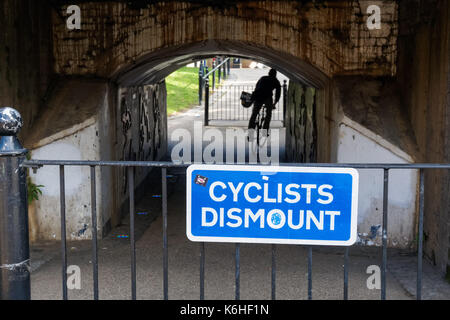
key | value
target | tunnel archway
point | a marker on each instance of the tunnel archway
(157, 65)
(141, 79)
(152, 68)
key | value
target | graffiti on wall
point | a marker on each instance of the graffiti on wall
(143, 126)
(301, 124)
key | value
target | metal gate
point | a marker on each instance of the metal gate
(224, 104)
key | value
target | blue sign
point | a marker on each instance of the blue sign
(270, 204)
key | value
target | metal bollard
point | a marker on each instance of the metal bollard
(14, 246)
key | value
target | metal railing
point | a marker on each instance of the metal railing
(163, 166)
(221, 68)
(225, 104)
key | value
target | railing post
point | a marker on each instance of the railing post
(214, 75)
(219, 61)
(200, 83)
(14, 246)
(225, 74)
(224, 69)
(284, 100)
(206, 102)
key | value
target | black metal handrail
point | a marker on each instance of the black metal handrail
(161, 164)
(215, 68)
(203, 76)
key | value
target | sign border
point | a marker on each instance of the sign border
(235, 167)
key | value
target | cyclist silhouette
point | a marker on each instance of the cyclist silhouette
(262, 96)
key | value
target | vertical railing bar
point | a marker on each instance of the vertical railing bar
(237, 273)
(241, 113)
(202, 270)
(94, 232)
(212, 106)
(274, 270)
(239, 110)
(420, 237)
(221, 108)
(309, 273)
(225, 107)
(235, 110)
(230, 109)
(132, 239)
(346, 252)
(63, 230)
(384, 233)
(242, 110)
(165, 247)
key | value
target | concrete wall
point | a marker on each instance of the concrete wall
(301, 123)
(308, 140)
(142, 130)
(93, 126)
(25, 56)
(356, 144)
(369, 125)
(424, 76)
(75, 124)
(83, 145)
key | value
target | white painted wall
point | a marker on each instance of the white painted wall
(355, 144)
(83, 145)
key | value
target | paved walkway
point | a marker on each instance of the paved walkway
(193, 120)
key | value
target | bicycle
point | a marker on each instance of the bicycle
(261, 138)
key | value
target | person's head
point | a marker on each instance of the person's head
(272, 73)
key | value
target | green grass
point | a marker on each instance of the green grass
(182, 89)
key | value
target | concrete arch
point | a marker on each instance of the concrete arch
(331, 36)
(153, 67)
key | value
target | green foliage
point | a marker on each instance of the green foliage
(182, 89)
(34, 191)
